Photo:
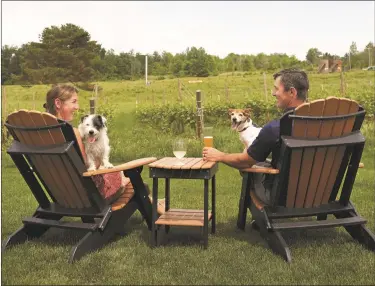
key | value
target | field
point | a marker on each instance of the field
(320, 257)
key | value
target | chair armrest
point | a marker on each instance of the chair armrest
(129, 165)
(273, 171)
(264, 170)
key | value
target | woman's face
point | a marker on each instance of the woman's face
(65, 110)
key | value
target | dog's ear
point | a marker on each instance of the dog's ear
(102, 120)
(247, 112)
(99, 122)
(83, 117)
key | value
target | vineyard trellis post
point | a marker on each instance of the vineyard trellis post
(92, 105)
(179, 91)
(4, 98)
(266, 93)
(342, 87)
(199, 115)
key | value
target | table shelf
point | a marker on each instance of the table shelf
(183, 217)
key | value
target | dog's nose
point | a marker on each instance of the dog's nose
(91, 132)
(234, 119)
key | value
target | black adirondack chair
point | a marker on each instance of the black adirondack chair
(47, 154)
(320, 143)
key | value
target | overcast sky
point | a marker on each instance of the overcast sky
(219, 27)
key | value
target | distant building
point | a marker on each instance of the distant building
(327, 66)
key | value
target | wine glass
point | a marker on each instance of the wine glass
(179, 150)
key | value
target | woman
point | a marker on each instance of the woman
(62, 102)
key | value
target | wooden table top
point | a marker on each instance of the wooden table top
(189, 163)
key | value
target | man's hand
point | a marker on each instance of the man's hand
(212, 154)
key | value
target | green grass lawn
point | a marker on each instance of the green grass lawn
(320, 257)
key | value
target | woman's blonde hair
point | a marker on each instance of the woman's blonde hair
(61, 91)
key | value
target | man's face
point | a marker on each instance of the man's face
(283, 98)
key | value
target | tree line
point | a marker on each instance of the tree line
(67, 53)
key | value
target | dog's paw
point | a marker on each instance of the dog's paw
(108, 166)
(92, 168)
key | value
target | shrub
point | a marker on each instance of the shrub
(170, 117)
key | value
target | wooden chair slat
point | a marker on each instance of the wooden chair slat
(54, 164)
(77, 189)
(61, 164)
(56, 133)
(312, 131)
(123, 199)
(80, 195)
(329, 109)
(336, 127)
(346, 126)
(298, 131)
(21, 118)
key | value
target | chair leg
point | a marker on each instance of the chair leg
(254, 225)
(277, 243)
(90, 242)
(87, 219)
(95, 240)
(359, 232)
(244, 201)
(140, 194)
(321, 217)
(24, 233)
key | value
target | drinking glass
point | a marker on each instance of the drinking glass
(179, 150)
(208, 138)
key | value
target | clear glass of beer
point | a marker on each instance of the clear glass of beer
(208, 138)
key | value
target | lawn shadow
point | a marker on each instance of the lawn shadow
(296, 237)
(69, 237)
(185, 236)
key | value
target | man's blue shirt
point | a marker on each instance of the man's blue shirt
(267, 142)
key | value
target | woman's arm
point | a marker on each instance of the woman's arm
(80, 143)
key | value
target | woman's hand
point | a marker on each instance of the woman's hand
(212, 154)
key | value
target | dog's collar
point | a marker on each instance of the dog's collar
(244, 129)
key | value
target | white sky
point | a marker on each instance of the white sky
(219, 27)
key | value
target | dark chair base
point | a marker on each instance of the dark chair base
(93, 240)
(277, 243)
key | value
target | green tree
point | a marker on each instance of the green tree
(64, 53)
(353, 48)
(313, 55)
(10, 63)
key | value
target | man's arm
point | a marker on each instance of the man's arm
(237, 160)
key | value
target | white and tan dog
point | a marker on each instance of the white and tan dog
(93, 131)
(242, 123)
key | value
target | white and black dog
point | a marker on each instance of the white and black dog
(242, 123)
(93, 131)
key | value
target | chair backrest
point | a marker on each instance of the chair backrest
(314, 171)
(59, 171)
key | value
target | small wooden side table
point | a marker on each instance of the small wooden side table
(193, 168)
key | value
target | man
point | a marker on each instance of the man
(290, 90)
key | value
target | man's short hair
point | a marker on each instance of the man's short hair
(294, 78)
